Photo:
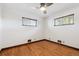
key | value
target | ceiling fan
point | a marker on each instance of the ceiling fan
(43, 7)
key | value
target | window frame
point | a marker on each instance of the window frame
(25, 18)
(62, 20)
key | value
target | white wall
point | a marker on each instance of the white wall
(13, 32)
(68, 33)
(0, 25)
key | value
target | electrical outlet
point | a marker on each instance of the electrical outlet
(29, 40)
(59, 41)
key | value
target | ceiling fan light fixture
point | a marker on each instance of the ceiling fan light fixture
(43, 8)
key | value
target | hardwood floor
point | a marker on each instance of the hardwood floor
(42, 48)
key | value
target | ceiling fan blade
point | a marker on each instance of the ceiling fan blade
(42, 4)
(45, 4)
(48, 4)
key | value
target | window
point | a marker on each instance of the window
(65, 20)
(29, 22)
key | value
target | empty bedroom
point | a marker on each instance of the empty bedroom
(39, 29)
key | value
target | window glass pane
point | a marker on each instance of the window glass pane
(66, 20)
(71, 19)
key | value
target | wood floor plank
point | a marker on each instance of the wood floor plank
(42, 48)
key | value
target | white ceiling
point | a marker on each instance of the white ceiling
(31, 8)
